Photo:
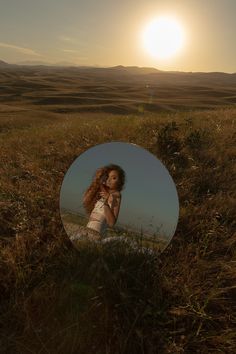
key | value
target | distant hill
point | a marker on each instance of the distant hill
(129, 75)
(39, 62)
(33, 62)
(3, 64)
(120, 69)
(134, 69)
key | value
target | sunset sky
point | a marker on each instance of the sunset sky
(109, 33)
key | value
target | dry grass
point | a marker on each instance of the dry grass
(55, 299)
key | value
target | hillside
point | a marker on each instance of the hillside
(116, 90)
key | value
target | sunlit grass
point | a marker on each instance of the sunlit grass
(55, 298)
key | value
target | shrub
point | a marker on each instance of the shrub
(197, 139)
(167, 140)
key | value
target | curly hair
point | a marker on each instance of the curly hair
(91, 195)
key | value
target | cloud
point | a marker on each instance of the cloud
(23, 50)
(71, 40)
(66, 39)
(70, 50)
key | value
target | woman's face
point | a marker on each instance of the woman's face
(113, 179)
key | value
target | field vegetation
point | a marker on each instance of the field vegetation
(57, 299)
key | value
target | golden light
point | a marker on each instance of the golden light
(163, 37)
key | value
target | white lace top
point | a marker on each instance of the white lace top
(97, 220)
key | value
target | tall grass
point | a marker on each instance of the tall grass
(56, 299)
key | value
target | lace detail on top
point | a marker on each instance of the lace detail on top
(97, 220)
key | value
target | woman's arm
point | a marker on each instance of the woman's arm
(111, 213)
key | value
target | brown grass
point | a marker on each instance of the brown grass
(55, 299)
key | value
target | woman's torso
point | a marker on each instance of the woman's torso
(97, 220)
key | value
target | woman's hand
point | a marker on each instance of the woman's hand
(104, 193)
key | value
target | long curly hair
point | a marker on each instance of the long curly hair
(91, 195)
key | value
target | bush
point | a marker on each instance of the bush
(197, 139)
(168, 142)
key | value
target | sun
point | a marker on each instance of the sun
(163, 37)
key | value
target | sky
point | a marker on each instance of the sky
(108, 32)
(149, 198)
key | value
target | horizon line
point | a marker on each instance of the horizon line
(68, 65)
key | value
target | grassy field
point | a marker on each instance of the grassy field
(71, 221)
(56, 299)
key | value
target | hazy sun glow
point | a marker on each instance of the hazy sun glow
(163, 37)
